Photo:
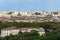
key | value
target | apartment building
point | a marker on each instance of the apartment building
(8, 14)
(22, 13)
(56, 14)
(8, 31)
(4, 14)
(14, 31)
(26, 13)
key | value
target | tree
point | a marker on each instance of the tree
(36, 13)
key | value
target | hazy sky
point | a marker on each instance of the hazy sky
(33, 5)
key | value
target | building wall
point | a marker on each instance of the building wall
(8, 32)
(23, 13)
(5, 32)
(14, 13)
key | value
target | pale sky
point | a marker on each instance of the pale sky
(30, 5)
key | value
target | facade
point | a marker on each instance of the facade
(29, 16)
(56, 13)
(3, 14)
(8, 31)
(41, 31)
(24, 20)
(27, 13)
(7, 13)
(14, 31)
(14, 14)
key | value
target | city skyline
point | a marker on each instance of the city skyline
(30, 5)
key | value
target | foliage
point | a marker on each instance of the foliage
(36, 13)
(33, 35)
(45, 25)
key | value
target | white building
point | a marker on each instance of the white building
(56, 14)
(41, 31)
(6, 13)
(23, 13)
(26, 13)
(24, 21)
(8, 31)
(14, 31)
(14, 14)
